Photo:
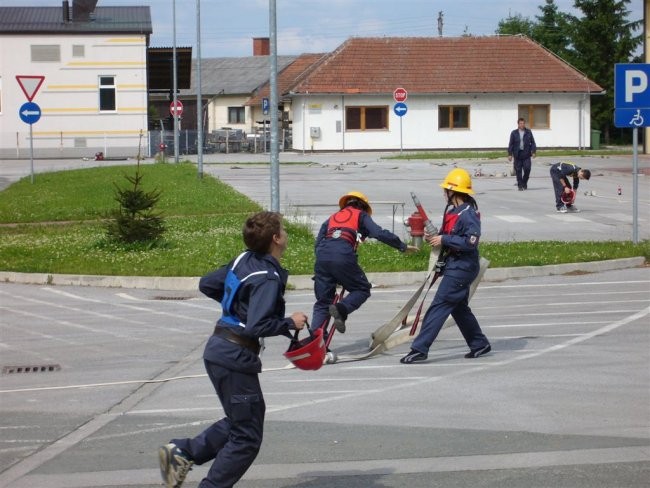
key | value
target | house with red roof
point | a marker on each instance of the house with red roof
(462, 93)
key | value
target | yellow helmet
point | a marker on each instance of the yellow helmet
(458, 180)
(343, 201)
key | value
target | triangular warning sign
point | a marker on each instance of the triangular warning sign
(30, 85)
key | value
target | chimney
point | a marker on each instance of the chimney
(261, 46)
(81, 10)
(66, 11)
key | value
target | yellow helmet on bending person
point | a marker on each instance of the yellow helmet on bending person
(356, 195)
(458, 180)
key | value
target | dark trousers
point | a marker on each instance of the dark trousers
(234, 441)
(348, 274)
(557, 179)
(451, 299)
(522, 170)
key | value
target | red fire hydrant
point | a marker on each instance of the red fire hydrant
(416, 224)
(161, 151)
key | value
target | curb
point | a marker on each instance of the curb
(304, 282)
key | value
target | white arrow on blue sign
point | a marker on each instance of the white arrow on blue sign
(632, 95)
(400, 109)
(29, 113)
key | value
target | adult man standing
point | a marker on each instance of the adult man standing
(522, 147)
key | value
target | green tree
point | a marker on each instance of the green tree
(135, 220)
(601, 38)
(553, 29)
(516, 24)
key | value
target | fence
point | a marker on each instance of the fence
(62, 145)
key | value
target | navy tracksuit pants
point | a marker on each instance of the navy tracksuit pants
(451, 299)
(522, 170)
(557, 179)
(234, 441)
(345, 272)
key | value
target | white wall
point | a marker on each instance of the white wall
(69, 96)
(218, 110)
(492, 117)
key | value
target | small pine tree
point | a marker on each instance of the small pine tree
(135, 220)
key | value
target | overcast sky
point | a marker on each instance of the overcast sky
(228, 26)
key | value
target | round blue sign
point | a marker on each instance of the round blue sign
(29, 112)
(400, 109)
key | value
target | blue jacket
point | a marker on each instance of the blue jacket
(461, 242)
(258, 303)
(564, 170)
(530, 147)
(328, 248)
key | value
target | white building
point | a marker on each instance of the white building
(93, 61)
(462, 93)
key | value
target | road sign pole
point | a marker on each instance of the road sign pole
(635, 185)
(31, 152)
(400, 135)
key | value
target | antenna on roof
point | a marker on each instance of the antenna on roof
(440, 23)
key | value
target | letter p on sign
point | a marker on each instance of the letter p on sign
(636, 81)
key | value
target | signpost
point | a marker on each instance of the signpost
(265, 106)
(176, 110)
(400, 95)
(632, 110)
(30, 85)
(29, 112)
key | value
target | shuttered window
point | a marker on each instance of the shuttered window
(46, 53)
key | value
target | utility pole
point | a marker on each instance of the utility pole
(174, 83)
(275, 163)
(199, 103)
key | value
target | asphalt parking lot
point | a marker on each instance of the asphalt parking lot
(563, 401)
(95, 379)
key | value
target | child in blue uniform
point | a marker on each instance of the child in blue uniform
(458, 238)
(250, 289)
(336, 259)
(560, 173)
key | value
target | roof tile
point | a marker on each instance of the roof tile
(491, 64)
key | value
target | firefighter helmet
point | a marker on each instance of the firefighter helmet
(357, 195)
(458, 180)
(308, 353)
(568, 197)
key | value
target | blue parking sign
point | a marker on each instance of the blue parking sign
(265, 106)
(632, 95)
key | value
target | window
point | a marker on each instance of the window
(236, 115)
(366, 118)
(46, 53)
(106, 93)
(453, 117)
(0, 94)
(536, 116)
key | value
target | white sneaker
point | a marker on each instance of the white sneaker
(562, 209)
(174, 465)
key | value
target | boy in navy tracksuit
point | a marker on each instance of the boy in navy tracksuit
(336, 259)
(560, 173)
(250, 289)
(459, 238)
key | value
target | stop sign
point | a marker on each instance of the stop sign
(176, 111)
(400, 94)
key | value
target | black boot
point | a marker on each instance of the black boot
(340, 315)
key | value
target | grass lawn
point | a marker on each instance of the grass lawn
(55, 225)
